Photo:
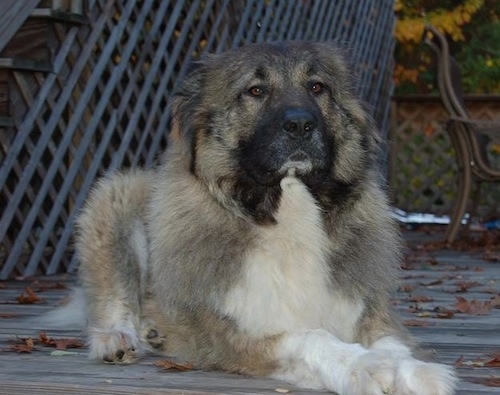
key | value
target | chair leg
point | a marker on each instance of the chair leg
(460, 206)
(475, 198)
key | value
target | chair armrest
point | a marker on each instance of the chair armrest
(485, 126)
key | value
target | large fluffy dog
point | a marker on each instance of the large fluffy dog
(263, 243)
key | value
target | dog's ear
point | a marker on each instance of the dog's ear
(186, 103)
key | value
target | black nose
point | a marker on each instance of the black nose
(298, 122)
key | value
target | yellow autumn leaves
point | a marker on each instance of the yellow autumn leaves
(411, 21)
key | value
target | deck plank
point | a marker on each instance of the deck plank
(429, 285)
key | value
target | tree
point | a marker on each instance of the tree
(473, 31)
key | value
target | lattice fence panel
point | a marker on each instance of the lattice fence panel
(104, 105)
(423, 167)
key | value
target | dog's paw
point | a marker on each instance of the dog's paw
(372, 373)
(378, 372)
(154, 340)
(421, 378)
(120, 345)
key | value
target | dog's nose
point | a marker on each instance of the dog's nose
(298, 122)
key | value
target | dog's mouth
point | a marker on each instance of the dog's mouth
(299, 163)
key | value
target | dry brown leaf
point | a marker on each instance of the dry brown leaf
(419, 299)
(29, 297)
(495, 302)
(9, 315)
(60, 344)
(442, 312)
(41, 286)
(431, 283)
(406, 288)
(459, 361)
(171, 365)
(23, 345)
(464, 286)
(474, 307)
(416, 323)
(494, 362)
(493, 381)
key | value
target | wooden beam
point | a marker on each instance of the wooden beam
(13, 13)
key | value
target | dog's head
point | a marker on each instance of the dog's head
(252, 115)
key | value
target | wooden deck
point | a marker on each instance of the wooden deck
(465, 332)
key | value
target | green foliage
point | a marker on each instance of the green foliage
(473, 31)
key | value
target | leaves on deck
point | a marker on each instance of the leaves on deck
(29, 297)
(476, 307)
(492, 381)
(23, 345)
(171, 365)
(61, 343)
(27, 345)
(41, 286)
(416, 323)
(490, 361)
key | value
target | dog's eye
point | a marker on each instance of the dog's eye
(317, 88)
(256, 91)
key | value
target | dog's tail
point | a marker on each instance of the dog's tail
(71, 314)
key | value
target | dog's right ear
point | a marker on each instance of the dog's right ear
(186, 103)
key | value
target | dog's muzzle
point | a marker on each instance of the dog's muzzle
(292, 140)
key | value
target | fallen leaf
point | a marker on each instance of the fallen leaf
(474, 307)
(445, 313)
(493, 362)
(459, 361)
(406, 288)
(23, 345)
(171, 365)
(431, 283)
(464, 286)
(416, 323)
(9, 315)
(29, 298)
(41, 286)
(61, 343)
(493, 381)
(419, 299)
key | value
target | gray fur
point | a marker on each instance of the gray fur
(160, 250)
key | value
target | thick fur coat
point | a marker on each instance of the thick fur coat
(263, 242)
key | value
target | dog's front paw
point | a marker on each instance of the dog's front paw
(113, 345)
(372, 373)
(421, 378)
(379, 372)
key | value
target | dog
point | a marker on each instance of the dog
(263, 242)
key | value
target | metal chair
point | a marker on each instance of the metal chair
(470, 137)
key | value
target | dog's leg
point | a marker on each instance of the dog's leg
(317, 359)
(112, 245)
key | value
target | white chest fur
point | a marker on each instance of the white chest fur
(284, 283)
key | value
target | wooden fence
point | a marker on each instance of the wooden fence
(423, 170)
(94, 94)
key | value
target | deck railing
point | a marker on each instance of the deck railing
(100, 100)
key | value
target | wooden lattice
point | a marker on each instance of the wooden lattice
(423, 176)
(101, 100)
